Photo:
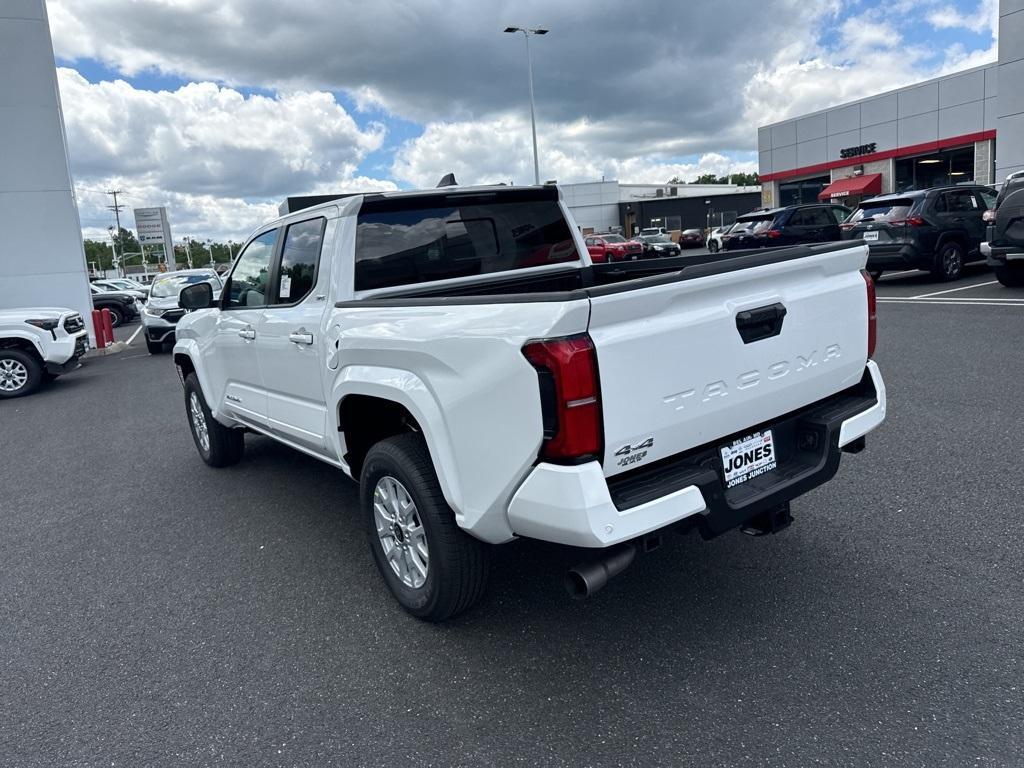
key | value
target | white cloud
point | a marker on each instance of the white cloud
(220, 159)
(499, 150)
(984, 18)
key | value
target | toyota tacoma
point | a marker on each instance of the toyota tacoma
(479, 394)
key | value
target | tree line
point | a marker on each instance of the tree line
(739, 179)
(99, 254)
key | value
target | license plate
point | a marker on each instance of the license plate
(870, 236)
(748, 457)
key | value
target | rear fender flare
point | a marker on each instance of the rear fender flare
(409, 391)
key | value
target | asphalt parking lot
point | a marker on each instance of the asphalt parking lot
(155, 611)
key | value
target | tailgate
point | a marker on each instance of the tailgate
(676, 373)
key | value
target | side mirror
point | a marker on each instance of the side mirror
(196, 296)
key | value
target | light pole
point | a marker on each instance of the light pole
(113, 249)
(529, 68)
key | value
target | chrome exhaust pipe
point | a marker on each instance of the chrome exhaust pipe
(587, 578)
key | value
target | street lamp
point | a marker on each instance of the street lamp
(529, 68)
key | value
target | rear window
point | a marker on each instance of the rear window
(883, 210)
(419, 240)
(751, 225)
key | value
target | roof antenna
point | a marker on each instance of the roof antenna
(448, 181)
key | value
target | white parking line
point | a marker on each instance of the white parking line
(954, 290)
(132, 337)
(960, 302)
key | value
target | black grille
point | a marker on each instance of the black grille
(74, 324)
(173, 315)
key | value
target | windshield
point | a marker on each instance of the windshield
(882, 210)
(165, 287)
(613, 238)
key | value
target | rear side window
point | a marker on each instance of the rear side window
(403, 242)
(882, 210)
(961, 201)
(299, 258)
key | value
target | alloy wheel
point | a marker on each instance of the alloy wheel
(195, 409)
(400, 532)
(13, 375)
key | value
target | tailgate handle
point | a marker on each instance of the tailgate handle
(760, 323)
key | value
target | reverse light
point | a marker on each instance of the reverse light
(872, 313)
(570, 397)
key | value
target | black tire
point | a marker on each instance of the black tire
(116, 316)
(457, 565)
(949, 261)
(876, 275)
(1011, 275)
(224, 445)
(20, 373)
(154, 347)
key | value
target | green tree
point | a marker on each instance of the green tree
(127, 242)
(98, 254)
(710, 178)
(745, 179)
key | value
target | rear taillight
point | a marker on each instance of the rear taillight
(913, 221)
(773, 233)
(570, 397)
(989, 216)
(847, 226)
(872, 313)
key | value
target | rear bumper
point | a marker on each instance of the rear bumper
(999, 256)
(897, 256)
(579, 507)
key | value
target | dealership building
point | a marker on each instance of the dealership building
(957, 129)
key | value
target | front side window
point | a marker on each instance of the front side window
(403, 242)
(299, 258)
(247, 285)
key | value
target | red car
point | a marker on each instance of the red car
(605, 248)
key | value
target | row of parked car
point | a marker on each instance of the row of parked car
(37, 344)
(938, 230)
(652, 242)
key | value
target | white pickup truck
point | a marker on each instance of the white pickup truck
(38, 344)
(456, 352)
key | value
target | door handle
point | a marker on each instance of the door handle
(300, 336)
(247, 333)
(760, 323)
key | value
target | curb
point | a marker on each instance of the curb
(113, 349)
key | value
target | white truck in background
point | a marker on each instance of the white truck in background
(38, 344)
(456, 352)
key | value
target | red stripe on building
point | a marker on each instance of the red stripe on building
(914, 149)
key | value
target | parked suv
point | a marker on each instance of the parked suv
(938, 230)
(161, 313)
(793, 225)
(605, 248)
(1004, 250)
(121, 305)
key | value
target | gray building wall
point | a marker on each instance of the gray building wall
(594, 205)
(956, 105)
(1010, 113)
(42, 262)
